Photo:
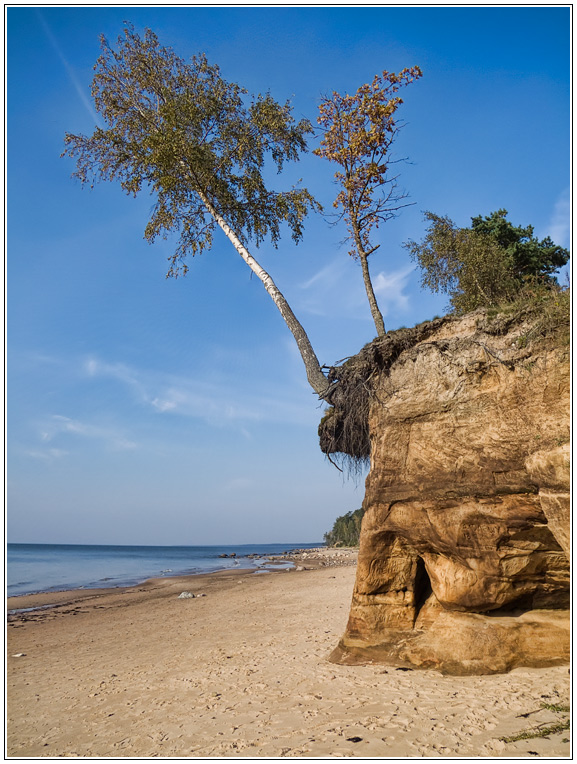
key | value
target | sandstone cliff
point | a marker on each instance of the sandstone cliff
(463, 562)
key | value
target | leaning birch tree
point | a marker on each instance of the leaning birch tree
(359, 131)
(199, 144)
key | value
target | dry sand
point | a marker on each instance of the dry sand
(243, 672)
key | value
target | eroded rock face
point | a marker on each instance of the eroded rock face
(463, 563)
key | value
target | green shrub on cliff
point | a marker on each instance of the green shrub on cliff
(347, 529)
(482, 266)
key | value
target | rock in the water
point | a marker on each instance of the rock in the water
(463, 562)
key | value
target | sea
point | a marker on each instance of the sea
(33, 568)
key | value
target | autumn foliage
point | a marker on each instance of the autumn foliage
(359, 131)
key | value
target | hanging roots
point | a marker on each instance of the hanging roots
(344, 429)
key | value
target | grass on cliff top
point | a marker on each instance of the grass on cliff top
(545, 308)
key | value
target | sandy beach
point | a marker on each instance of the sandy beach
(243, 672)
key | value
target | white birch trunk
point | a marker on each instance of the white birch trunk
(316, 378)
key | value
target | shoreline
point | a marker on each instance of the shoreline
(314, 557)
(39, 601)
(244, 672)
(292, 555)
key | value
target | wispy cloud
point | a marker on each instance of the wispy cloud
(338, 289)
(389, 289)
(318, 293)
(57, 425)
(215, 402)
(560, 223)
(80, 90)
(46, 454)
(328, 276)
(94, 367)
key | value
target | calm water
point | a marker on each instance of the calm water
(56, 567)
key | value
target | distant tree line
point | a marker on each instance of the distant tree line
(346, 530)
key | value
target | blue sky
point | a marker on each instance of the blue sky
(149, 410)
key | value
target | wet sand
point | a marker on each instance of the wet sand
(243, 672)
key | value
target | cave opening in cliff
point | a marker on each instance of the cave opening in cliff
(422, 587)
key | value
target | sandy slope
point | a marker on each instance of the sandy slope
(243, 671)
